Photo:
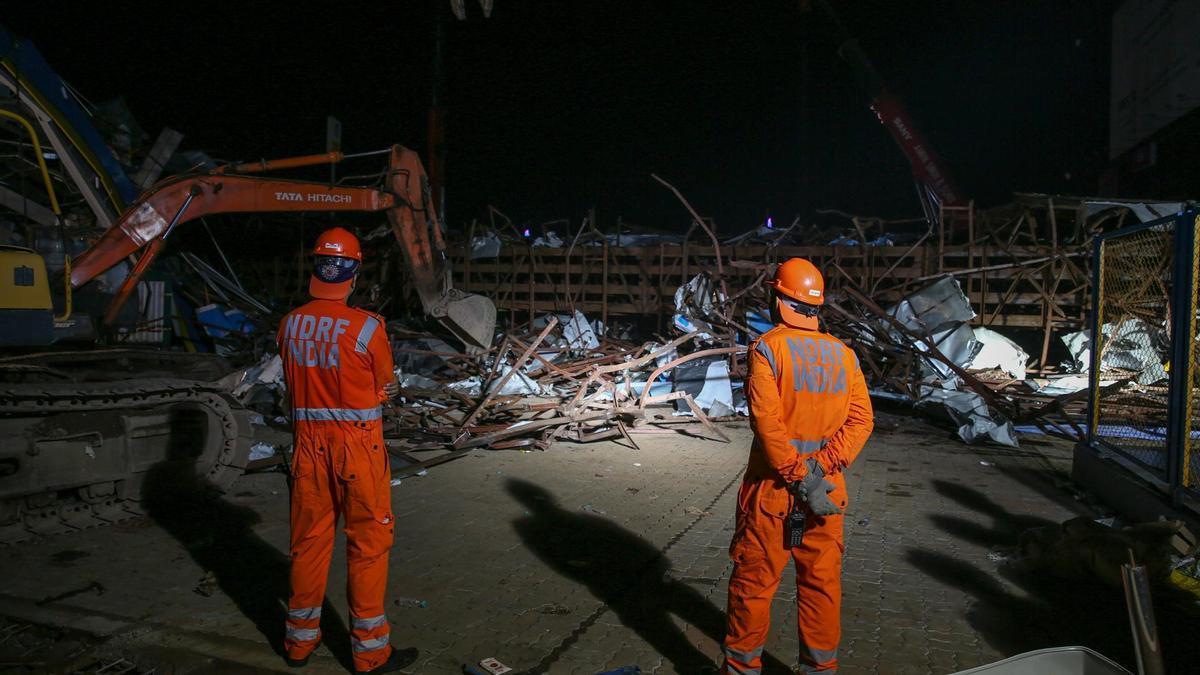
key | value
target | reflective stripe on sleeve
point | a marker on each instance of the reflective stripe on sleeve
(364, 335)
(764, 349)
(337, 414)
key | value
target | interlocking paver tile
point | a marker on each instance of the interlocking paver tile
(513, 566)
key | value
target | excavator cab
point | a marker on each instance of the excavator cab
(25, 304)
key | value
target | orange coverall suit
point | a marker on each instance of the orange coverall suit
(807, 398)
(336, 361)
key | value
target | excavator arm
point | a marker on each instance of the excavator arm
(143, 228)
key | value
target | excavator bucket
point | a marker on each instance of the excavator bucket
(472, 319)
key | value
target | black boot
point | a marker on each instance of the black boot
(399, 658)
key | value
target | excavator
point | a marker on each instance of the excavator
(81, 429)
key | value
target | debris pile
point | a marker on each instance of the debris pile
(562, 378)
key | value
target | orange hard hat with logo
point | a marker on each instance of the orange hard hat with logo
(337, 257)
(800, 290)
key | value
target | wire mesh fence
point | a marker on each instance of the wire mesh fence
(1135, 298)
(1191, 379)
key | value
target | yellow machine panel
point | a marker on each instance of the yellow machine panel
(23, 283)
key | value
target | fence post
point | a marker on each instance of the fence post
(1179, 383)
(1097, 324)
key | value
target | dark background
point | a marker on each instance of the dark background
(554, 107)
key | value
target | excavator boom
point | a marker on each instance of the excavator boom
(145, 226)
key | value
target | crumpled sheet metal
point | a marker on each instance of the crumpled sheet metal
(707, 381)
(577, 332)
(517, 384)
(931, 308)
(1131, 344)
(696, 305)
(956, 342)
(970, 412)
(997, 351)
(267, 372)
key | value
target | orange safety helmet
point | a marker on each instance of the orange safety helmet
(798, 281)
(338, 256)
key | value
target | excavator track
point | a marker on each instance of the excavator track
(75, 455)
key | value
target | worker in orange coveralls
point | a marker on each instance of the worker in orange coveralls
(811, 415)
(338, 367)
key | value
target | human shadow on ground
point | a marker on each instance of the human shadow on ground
(220, 538)
(1036, 610)
(1004, 527)
(625, 572)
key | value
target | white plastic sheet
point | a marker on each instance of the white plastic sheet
(261, 450)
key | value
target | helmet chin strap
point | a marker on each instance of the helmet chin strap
(802, 308)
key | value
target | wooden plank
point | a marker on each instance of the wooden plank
(642, 280)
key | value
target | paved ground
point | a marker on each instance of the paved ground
(581, 559)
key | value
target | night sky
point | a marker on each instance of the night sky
(554, 107)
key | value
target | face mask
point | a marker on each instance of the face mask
(334, 269)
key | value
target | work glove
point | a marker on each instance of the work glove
(814, 490)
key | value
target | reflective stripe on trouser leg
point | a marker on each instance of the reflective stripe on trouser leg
(304, 613)
(759, 559)
(303, 626)
(370, 623)
(370, 644)
(819, 594)
(303, 634)
(740, 662)
(819, 656)
(368, 526)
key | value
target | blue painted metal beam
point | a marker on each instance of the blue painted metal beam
(24, 62)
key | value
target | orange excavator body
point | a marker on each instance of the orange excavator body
(145, 226)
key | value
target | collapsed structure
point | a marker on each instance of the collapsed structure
(975, 316)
